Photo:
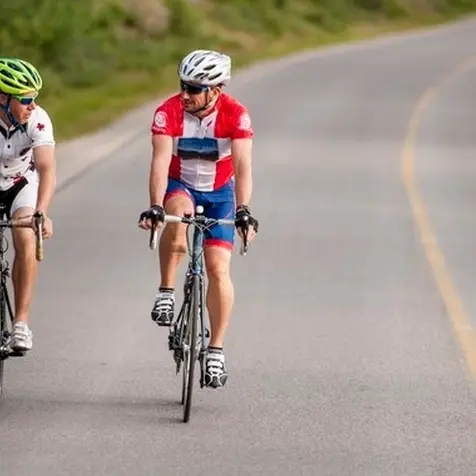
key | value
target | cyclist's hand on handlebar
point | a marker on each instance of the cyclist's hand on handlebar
(154, 215)
(47, 224)
(246, 223)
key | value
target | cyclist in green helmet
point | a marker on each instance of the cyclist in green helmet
(27, 177)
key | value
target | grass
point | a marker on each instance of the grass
(99, 58)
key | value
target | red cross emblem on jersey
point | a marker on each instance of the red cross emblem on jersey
(40, 127)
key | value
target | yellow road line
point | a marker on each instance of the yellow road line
(465, 334)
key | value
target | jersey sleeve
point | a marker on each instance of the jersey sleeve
(163, 121)
(241, 127)
(41, 129)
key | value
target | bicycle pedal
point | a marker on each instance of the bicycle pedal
(178, 356)
(178, 365)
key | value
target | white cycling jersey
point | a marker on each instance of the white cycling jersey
(16, 147)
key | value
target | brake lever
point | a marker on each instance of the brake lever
(153, 235)
(39, 219)
(244, 242)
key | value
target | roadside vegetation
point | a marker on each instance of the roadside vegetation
(99, 58)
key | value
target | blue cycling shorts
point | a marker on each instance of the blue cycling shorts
(217, 204)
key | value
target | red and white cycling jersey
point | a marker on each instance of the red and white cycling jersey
(202, 147)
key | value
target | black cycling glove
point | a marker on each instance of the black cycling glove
(155, 213)
(244, 219)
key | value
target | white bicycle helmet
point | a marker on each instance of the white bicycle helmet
(205, 67)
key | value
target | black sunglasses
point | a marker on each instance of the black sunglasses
(192, 88)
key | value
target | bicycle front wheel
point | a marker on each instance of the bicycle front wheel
(191, 347)
(4, 333)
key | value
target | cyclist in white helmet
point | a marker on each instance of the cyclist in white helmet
(27, 178)
(201, 155)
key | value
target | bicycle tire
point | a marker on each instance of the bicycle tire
(194, 311)
(3, 331)
(184, 377)
(185, 355)
(180, 336)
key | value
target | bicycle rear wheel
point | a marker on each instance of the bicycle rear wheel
(190, 347)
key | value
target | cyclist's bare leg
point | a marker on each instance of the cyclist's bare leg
(220, 292)
(173, 243)
(172, 248)
(24, 269)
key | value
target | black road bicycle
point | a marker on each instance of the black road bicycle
(6, 310)
(188, 334)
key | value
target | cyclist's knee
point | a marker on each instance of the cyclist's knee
(178, 204)
(217, 262)
(23, 238)
(24, 243)
(178, 246)
(218, 273)
(174, 238)
(174, 234)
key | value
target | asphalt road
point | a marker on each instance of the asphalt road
(343, 358)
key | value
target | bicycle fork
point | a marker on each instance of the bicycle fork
(178, 330)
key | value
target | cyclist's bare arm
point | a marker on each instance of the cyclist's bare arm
(44, 157)
(241, 153)
(162, 147)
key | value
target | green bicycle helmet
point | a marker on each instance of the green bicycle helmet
(18, 77)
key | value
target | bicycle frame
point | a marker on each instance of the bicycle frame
(6, 309)
(187, 335)
(194, 268)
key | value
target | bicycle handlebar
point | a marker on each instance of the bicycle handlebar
(25, 222)
(198, 221)
(39, 219)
